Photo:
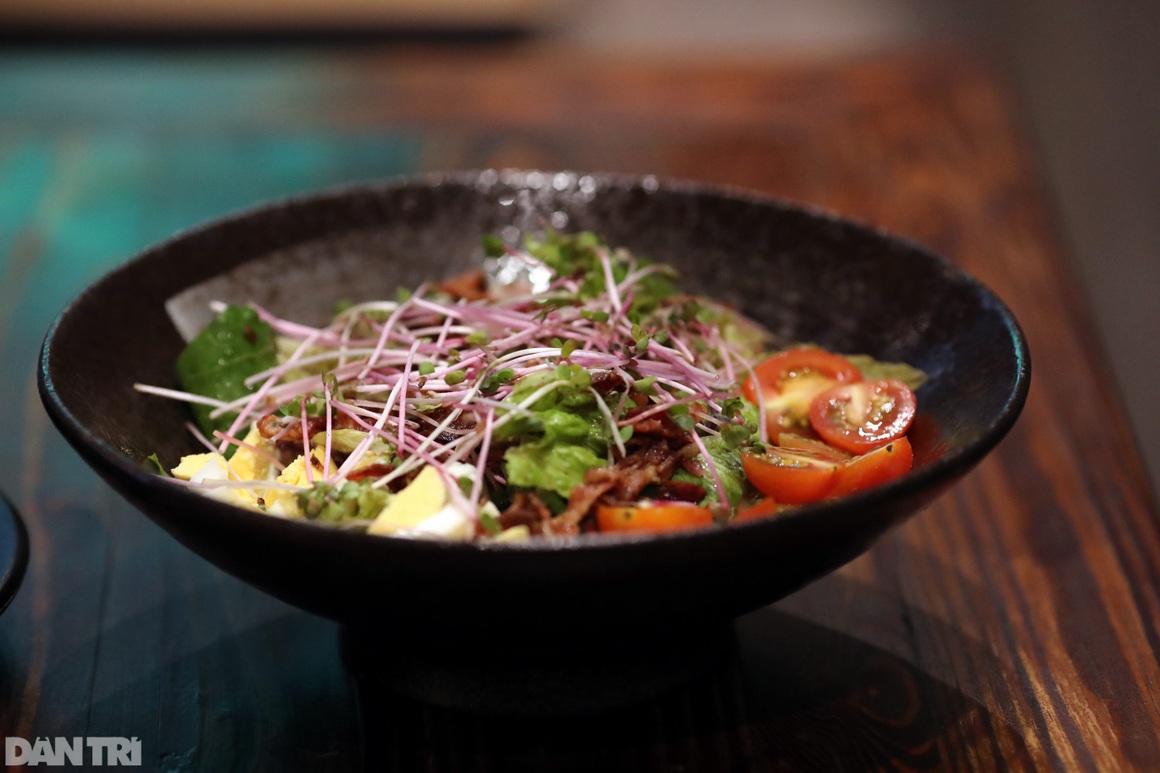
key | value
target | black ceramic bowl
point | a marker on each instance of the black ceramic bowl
(808, 276)
(13, 552)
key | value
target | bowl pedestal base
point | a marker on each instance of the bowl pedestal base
(538, 679)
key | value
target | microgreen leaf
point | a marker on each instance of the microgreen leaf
(489, 524)
(735, 435)
(680, 415)
(493, 246)
(154, 463)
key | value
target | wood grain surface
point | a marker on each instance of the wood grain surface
(1012, 626)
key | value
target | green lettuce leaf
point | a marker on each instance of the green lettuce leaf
(548, 466)
(216, 363)
(560, 437)
(873, 369)
(727, 460)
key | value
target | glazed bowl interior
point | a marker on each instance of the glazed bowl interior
(807, 276)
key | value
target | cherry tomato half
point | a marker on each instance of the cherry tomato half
(788, 382)
(793, 476)
(862, 416)
(763, 509)
(881, 465)
(794, 441)
(652, 516)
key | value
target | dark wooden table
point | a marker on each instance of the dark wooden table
(1013, 625)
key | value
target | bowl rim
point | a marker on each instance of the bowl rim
(944, 469)
(14, 551)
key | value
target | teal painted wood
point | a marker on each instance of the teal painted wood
(189, 92)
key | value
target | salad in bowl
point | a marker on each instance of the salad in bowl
(565, 387)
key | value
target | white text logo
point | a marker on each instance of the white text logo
(101, 751)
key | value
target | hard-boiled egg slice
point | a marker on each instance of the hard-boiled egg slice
(425, 509)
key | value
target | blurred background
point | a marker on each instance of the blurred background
(1086, 76)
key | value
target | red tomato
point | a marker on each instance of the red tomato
(792, 476)
(863, 416)
(763, 509)
(787, 383)
(652, 516)
(881, 465)
(793, 441)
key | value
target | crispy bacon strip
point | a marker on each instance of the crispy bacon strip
(623, 481)
(526, 509)
(470, 285)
